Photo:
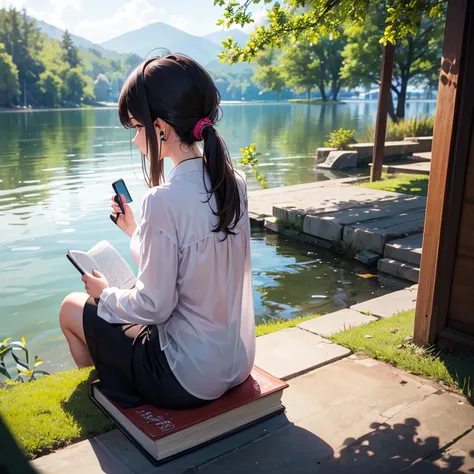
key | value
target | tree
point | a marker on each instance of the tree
(102, 88)
(70, 52)
(303, 69)
(416, 57)
(297, 20)
(23, 42)
(74, 85)
(51, 87)
(9, 85)
(269, 76)
(332, 48)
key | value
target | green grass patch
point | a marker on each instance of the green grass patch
(55, 411)
(389, 342)
(52, 412)
(402, 183)
(272, 325)
(291, 225)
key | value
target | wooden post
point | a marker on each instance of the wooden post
(450, 152)
(382, 112)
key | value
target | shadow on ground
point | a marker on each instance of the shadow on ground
(385, 449)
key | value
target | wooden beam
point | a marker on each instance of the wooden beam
(382, 112)
(450, 150)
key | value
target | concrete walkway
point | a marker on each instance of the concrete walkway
(344, 414)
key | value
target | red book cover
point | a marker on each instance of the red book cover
(158, 423)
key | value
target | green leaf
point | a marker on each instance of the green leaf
(38, 361)
(4, 342)
(4, 371)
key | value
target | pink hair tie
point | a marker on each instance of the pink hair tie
(197, 130)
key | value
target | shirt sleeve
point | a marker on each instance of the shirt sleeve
(155, 294)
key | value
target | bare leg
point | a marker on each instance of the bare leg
(70, 319)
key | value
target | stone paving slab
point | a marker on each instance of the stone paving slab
(399, 269)
(422, 155)
(406, 250)
(326, 196)
(333, 323)
(389, 304)
(459, 456)
(411, 167)
(330, 226)
(374, 235)
(290, 352)
(354, 417)
(113, 453)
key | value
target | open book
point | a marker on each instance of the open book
(104, 258)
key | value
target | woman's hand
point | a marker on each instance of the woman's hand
(95, 283)
(125, 222)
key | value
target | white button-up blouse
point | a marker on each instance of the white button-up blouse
(192, 283)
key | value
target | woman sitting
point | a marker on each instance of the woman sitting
(185, 334)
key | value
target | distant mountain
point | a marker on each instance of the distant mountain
(57, 33)
(161, 35)
(218, 36)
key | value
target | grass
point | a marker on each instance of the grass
(278, 324)
(402, 183)
(55, 411)
(291, 225)
(389, 342)
(415, 127)
(52, 412)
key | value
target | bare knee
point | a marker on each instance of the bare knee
(71, 308)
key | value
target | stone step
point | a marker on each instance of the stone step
(424, 143)
(422, 156)
(399, 269)
(407, 250)
(392, 149)
(330, 226)
(373, 235)
(332, 323)
(407, 165)
(389, 304)
(293, 351)
(294, 206)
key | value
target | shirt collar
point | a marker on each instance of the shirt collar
(186, 166)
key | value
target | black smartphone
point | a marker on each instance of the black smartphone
(120, 188)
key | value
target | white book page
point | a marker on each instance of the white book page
(113, 266)
(83, 260)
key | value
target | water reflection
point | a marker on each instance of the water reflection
(296, 280)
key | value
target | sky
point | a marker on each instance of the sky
(100, 20)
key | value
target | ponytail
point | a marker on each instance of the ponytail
(224, 185)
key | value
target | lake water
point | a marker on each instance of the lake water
(56, 168)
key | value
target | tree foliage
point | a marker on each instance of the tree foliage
(269, 75)
(51, 88)
(9, 85)
(309, 20)
(70, 53)
(416, 57)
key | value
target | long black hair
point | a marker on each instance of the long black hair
(179, 91)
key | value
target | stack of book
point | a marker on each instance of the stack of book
(163, 434)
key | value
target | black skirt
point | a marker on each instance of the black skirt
(132, 368)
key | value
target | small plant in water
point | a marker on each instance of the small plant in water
(340, 138)
(26, 370)
(249, 158)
